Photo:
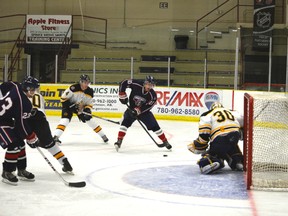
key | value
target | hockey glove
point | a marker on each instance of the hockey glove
(82, 117)
(134, 112)
(87, 116)
(123, 97)
(32, 140)
(72, 107)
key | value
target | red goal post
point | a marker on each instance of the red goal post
(265, 146)
(247, 141)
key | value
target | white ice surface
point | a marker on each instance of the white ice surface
(106, 193)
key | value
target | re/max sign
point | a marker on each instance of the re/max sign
(177, 98)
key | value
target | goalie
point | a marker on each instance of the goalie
(219, 133)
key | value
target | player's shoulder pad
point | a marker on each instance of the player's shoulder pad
(75, 87)
(89, 91)
(126, 81)
(135, 81)
(6, 87)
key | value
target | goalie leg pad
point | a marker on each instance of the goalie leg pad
(235, 161)
(209, 164)
(235, 158)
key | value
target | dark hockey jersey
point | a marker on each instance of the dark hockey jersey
(138, 97)
(15, 107)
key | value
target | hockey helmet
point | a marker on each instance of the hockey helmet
(149, 83)
(29, 83)
(84, 78)
(149, 79)
(216, 105)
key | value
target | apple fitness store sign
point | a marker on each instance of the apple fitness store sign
(263, 24)
(48, 29)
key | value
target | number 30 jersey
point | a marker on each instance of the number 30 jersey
(219, 121)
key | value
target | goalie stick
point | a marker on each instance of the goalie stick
(70, 184)
(159, 145)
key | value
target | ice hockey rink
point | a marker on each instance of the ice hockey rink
(138, 180)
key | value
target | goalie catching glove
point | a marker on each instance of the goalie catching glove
(32, 140)
(197, 147)
(123, 97)
(86, 115)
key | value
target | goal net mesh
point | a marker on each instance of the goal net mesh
(270, 142)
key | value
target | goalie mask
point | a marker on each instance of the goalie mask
(216, 105)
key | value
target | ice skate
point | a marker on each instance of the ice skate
(105, 139)
(67, 168)
(210, 168)
(118, 144)
(56, 140)
(24, 175)
(167, 145)
(9, 178)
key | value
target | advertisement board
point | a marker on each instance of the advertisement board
(48, 29)
(172, 103)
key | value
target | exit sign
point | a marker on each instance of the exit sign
(163, 5)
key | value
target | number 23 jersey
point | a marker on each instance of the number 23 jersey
(15, 107)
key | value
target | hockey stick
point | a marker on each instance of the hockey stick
(159, 145)
(115, 122)
(70, 184)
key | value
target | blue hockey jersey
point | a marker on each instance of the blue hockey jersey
(15, 108)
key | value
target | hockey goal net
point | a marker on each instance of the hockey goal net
(266, 141)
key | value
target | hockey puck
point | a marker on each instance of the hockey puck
(165, 155)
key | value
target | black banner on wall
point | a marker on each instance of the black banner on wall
(263, 24)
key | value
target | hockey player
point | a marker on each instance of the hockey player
(15, 109)
(141, 100)
(220, 129)
(39, 124)
(78, 99)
